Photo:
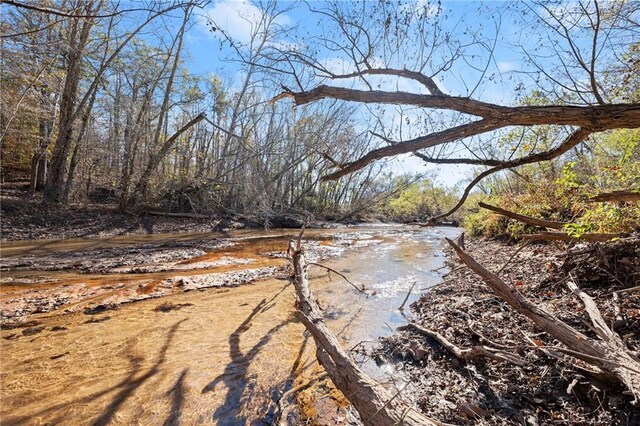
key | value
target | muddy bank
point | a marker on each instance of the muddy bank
(549, 387)
(75, 279)
(29, 220)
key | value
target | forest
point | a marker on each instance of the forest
(516, 122)
(99, 105)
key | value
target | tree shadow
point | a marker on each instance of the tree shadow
(126, 388)
(235, 376)
(176, 393)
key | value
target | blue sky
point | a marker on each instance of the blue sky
(209, 55)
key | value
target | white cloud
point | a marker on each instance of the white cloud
(506, 66)
(239, 19)
(423, 8)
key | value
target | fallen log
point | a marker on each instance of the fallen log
(375, 404)
(170, 214)
(609, 354)
(529, 220)
(624, 195)
(591, 237)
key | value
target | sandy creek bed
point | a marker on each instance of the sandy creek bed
(195, 347)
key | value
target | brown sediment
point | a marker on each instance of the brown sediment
(148, 287)
(114, 346)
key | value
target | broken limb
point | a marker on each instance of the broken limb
(478, 351)
(375, 404)
(609, 355)
(361, 288)
(561, 236)
(625, 195)
(542, 223)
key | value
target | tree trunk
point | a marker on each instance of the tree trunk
(375, 404)
(54, 189)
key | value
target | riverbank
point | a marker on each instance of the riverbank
(548, 387)
(31, 220)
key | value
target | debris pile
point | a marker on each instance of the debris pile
(506, 370)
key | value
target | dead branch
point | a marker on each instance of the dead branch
(561, 236)
(596, 117)
(571, 141)
(361, 289)
(599, 325)
(543, 223)
(478, 351)
(407, 296)
(472, 161)
(281, 403)
(375, 404)
(611, 355)
(625, 195)
(171, 214)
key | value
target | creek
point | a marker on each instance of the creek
(155, 330)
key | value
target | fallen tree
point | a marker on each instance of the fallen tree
(608, 354)
(374, 403)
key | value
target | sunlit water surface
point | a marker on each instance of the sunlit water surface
(225, 355)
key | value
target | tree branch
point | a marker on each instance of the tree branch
(473, 161)
(459, 132)
(574, 139)
(632, 195)
(543, 223)
(594, 117)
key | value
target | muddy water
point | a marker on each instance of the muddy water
(221, 355)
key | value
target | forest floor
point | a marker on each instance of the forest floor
(550, 388)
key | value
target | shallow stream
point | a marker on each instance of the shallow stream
(218, 355)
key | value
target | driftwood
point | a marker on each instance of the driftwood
(591, 237)
(625, 195)
(478, 351)
(608, 353)
(375, 404)
(543, 223)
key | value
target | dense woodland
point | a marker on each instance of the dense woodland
(105, 110)
(99, 106)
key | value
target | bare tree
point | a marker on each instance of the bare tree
(376, 39)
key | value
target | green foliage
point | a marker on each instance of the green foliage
(419, 201)
(612, 163)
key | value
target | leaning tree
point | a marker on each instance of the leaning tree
(443, 76)
(581, 57)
